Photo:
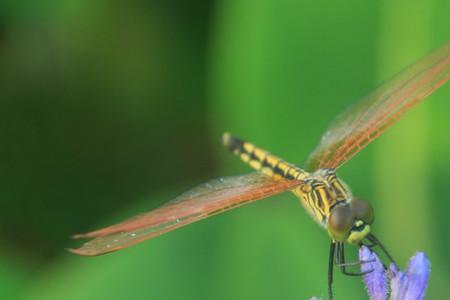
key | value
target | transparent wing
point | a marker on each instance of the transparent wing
(366, 120)
(207, 199)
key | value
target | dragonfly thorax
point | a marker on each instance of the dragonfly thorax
(320, 192)
(330, 202)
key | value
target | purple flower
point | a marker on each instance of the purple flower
(404, 286)
(375, 277)
(399, 282)
(412, 285)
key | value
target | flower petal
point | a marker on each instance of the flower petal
(418, 274)
(375, 280)
(399, 283)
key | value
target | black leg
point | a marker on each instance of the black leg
(369, 245)
(375, 241)
(337, 247)
(342, 264)
(330, 270)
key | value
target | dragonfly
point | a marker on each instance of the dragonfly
(325, 196)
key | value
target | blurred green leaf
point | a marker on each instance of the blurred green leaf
(13, 277)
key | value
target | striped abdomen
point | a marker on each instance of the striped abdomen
(320, 191)
(262, 160)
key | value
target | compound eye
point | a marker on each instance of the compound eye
(362, 210)
(340, 222)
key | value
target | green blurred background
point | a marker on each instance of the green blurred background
(109, 108)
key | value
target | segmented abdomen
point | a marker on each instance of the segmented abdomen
(262, 160)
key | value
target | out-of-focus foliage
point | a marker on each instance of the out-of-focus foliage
(98, 101)
(109, 108)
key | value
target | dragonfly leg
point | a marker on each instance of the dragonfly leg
(337, 257)
(342, 264)
(331, 263)
(369, 245)
(377, 242)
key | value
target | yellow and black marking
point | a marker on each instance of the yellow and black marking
(319, 192)
(262, 160)
(317, 199)
(342, 192)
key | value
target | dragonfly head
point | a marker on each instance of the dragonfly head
(350, 221)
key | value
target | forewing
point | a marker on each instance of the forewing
(210, 198)
(366, 120)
